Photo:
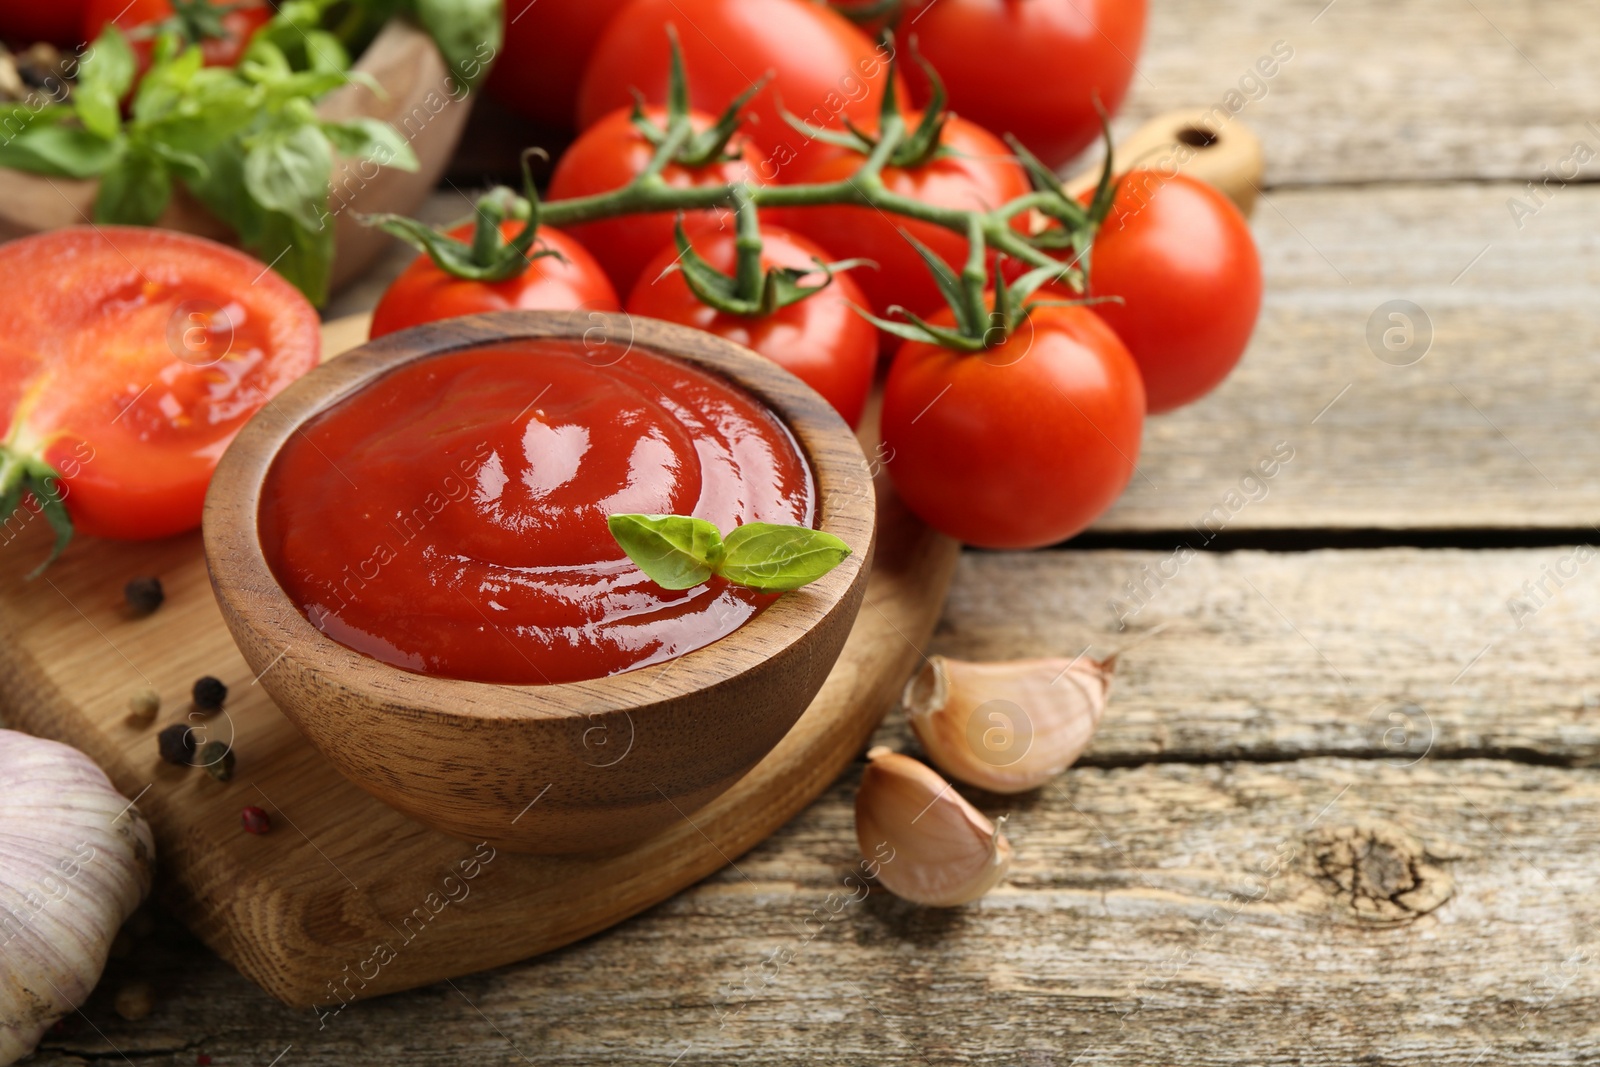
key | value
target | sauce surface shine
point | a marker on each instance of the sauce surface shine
(450, 517)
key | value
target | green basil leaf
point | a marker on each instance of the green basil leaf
(303, 256)
(104, 77)
(223, 193)
(135, 190)
(325, 53)
(774, 558)
(676, 551)
(61, 151)
(289, 171)
(467, 32)
(167, 84)
(18, 119)
(372, 139)
(264, 61)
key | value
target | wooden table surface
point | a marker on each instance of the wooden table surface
(1344, 806)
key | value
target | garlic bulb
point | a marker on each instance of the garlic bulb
(921, 839)
(76, 859)
(1007, 727)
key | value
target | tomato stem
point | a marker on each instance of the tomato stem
(22, 475)
(752, 291)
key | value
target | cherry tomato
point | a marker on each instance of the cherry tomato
(1020, 446)
(546, 48)
(819, 340)
(976, 172)
(823, 68)
(568, 282)
(60, 22)
(139, 18)
(1180, 255)
(610, 154)
(1033, 68)
(129, 358)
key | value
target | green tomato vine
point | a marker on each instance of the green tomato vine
(986, 309)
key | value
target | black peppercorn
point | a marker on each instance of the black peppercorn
(144, 595)
(176, 743)
(209, 693)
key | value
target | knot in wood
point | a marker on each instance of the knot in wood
(1379, 871)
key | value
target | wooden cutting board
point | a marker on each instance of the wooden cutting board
(346, 898)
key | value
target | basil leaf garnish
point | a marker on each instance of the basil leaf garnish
(775, 558)
(679, 552)
(676, 551)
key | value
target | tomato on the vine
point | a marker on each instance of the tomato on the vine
(820, 339)
(130, 358)
(546, 47)
(1179, 256)
(1033, 68)
(140, 19)
(974, 172)
(609, 155)
(823, 69)
(569, 280)
(1019, 446)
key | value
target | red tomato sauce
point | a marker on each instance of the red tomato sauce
(450, 517)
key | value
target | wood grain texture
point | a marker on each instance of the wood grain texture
(304, 910)
(1491, 429)
(1210, 915)
(1426, 90)
(1388, 654)
(412, 90)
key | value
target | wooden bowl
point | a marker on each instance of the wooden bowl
(415, 98)
(573, 767)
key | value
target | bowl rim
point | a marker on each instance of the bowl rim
(248, 591)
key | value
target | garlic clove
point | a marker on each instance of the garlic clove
(1007, 727)
(76, 859)
(921, 839)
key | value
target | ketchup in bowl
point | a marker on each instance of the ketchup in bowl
(450, 517)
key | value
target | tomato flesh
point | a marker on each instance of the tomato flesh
(130, 357)
(821, 340)
(476, 545)
(569, 281)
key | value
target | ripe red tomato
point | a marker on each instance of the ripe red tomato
(22, 22)
(569, 282)
(546, 47)
(823, 68)
(1033, 67)
(977, 172)
(610, 154)
(819, 340)
(239, 24)
(130, 358)
(1180, 255)
(1020, 446)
